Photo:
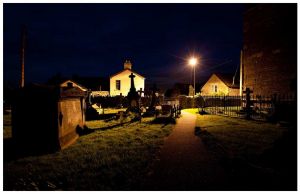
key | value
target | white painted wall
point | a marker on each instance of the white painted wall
(139, 82)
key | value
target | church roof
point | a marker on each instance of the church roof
(126, 70)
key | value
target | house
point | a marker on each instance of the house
(269, 55)
(69, 83)
(221, 84)
(98, 86)
(120, 82)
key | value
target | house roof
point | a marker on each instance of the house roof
(128, 70)
(92, 83)
(227, 79)
(69, 80)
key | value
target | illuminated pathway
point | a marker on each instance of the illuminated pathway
(184, 163)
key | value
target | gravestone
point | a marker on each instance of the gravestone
(133, 96)
(151, 111)
(46, 118)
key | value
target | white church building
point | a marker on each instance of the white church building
(120, 82)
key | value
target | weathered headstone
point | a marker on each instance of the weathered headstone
(151, 111)
(45, 118)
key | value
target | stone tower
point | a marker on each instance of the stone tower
(269, 55)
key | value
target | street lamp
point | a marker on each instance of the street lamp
(193, 62)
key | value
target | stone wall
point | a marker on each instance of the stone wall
(100, 93)
(269, 56)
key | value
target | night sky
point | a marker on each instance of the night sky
(96, 39)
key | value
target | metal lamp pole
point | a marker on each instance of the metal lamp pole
(193, 62)
(194, 82)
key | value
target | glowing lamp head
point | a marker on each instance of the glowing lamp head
(193, 61)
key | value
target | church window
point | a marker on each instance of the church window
(118, 84)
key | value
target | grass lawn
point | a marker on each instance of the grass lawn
(232, 110)
(240, 138)
(114, 159)
(192, 110)
(255, 155)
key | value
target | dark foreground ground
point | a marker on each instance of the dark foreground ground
(211, 153)
(222, 153)
(111, 157)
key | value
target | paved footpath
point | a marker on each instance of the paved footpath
(184, 162)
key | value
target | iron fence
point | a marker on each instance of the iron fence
(224, 105)
(275, 107)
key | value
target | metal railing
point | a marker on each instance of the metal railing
(274, 107)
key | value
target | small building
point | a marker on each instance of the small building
(221, 84)
(97, 86)
(120, 82)
(69, 83)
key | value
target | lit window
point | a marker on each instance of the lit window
(118, 84)
(214, 88)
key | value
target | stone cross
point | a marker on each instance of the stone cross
(132, 96)
(248, 102)
(140, 92)
(132, 81)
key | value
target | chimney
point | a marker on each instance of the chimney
(23, 36)
(127, 64)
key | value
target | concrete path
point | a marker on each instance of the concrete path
(184, 162)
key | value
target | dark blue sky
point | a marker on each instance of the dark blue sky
(95, 39)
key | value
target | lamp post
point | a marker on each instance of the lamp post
(193, 62)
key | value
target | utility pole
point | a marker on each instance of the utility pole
(23, 41)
